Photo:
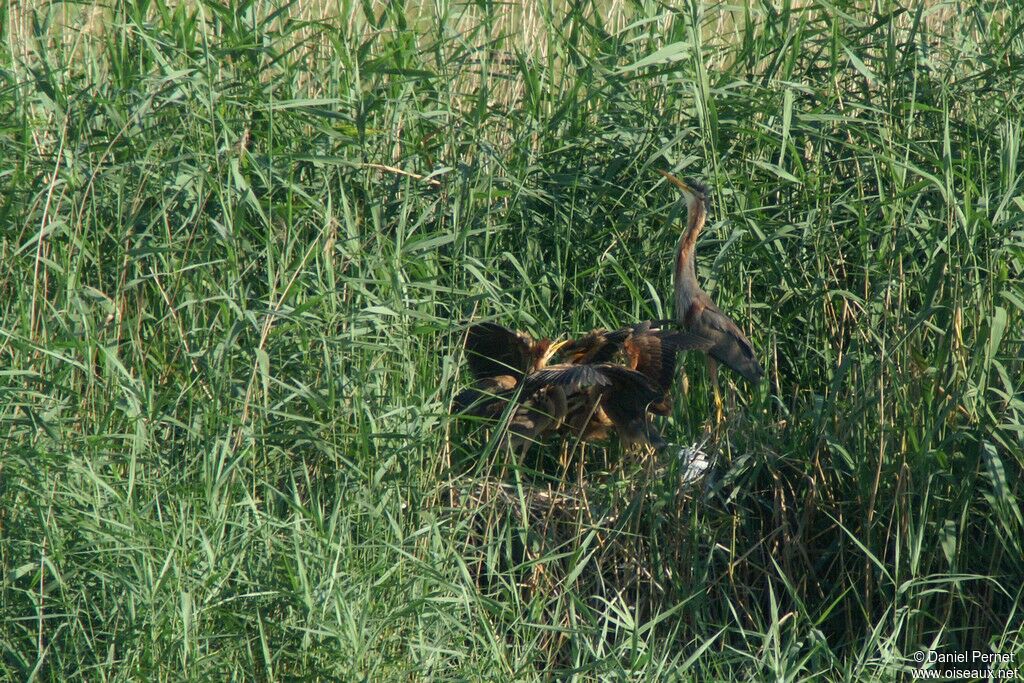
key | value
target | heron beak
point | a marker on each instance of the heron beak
(687, 190)
(556, 346)
(554, 349)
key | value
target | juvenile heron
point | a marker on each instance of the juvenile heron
(596, 395)
(647, 347)
(500, 360)
(695, 310)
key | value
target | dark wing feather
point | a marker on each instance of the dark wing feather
(732, 347)
(655, 353)
(492, 350)
(627, 394)
(626, 402)
(597, 346)
(646, 327)
(652, 358)
(601, 346)
(686, 341)
(573, 376)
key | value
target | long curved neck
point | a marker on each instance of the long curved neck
(686, 285)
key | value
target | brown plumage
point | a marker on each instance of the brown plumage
(493, 350)
(592, 399)
(695, 310)
(645, 350)
(647, 347)
(510, 365)
(542, 413)
(618, 402)
(498, 359)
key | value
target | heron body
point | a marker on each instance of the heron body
(609, 382)
(647, 349)
(695, 311)
(501, 360)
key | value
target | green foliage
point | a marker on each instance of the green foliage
(237, 246)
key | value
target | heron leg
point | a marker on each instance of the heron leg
(713, 376)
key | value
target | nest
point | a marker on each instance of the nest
(597, 531)
(536, 547)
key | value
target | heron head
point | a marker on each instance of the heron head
(547, 349)
(692, 190)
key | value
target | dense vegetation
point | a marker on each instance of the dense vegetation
(236, 249)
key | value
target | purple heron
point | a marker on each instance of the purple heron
(509, 365)
(695, 310)
(645, 348)
(499, 360)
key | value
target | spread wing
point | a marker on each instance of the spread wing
(627, 394)
(652, 358)
(571, 376)
(601, 346)
(493, 350)
(654, 354)
(593, 347)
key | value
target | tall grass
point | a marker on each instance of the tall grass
(237, 246)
